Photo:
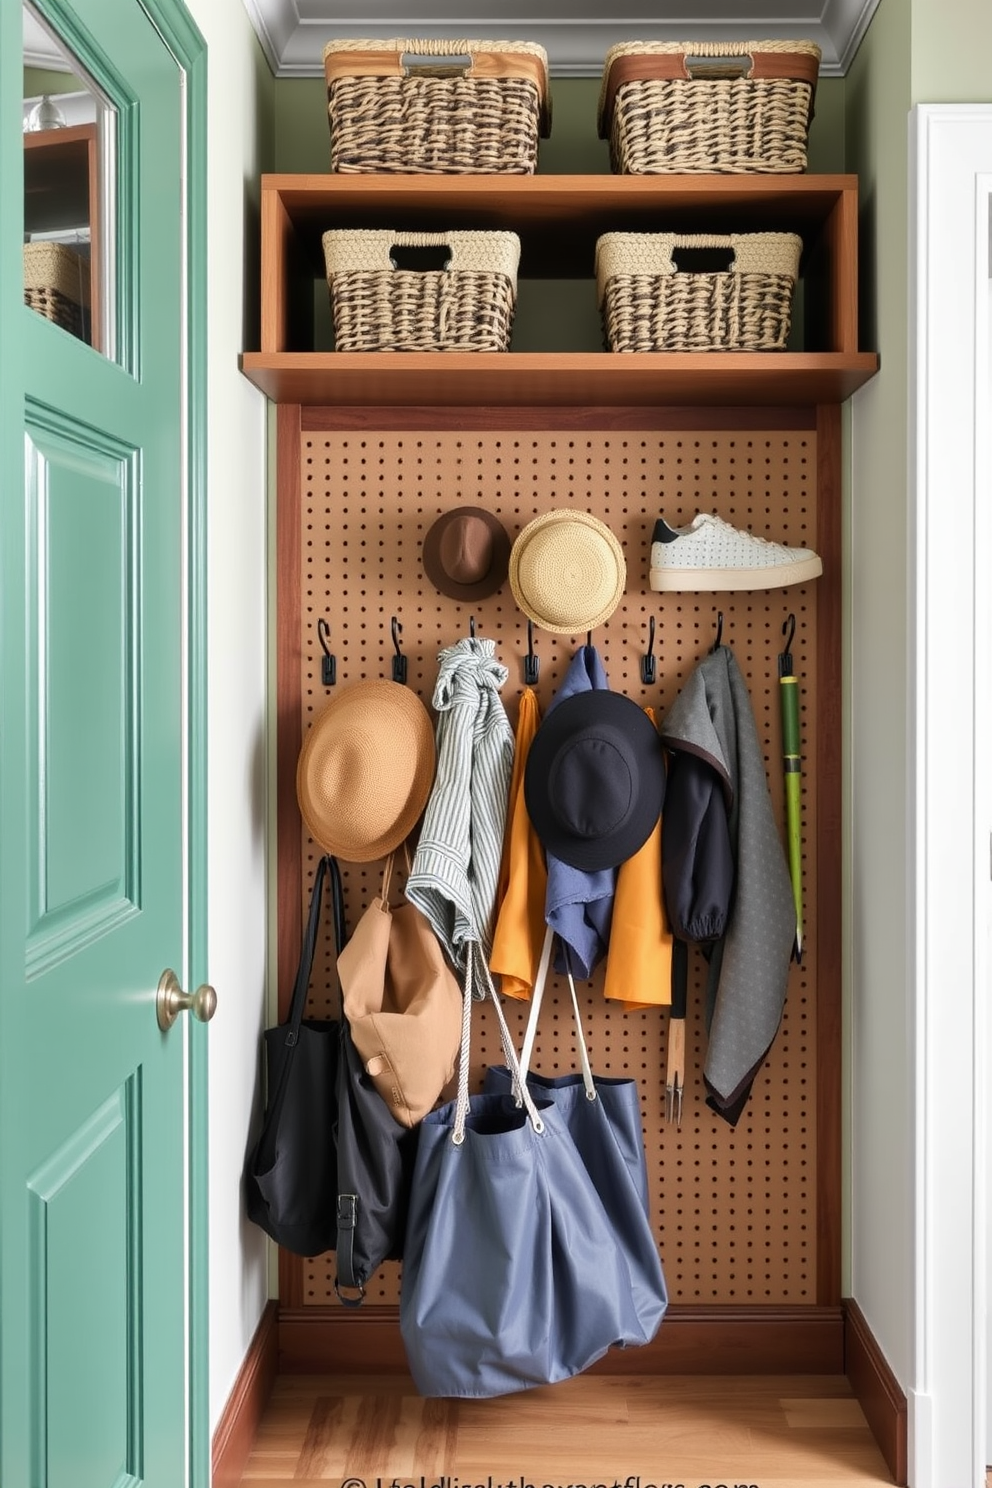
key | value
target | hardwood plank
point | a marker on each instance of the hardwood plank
(772, 1431)
(323, 1425)
(823, 1413)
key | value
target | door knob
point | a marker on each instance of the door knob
(172, 1000)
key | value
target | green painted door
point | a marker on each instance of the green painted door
(100, 1356)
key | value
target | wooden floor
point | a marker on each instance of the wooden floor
(760, 1432)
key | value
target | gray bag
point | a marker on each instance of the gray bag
(603, 1116)
(512, 1275)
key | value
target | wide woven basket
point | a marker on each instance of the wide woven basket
(436, 106)
(722, 107)
(57, 285)
(468, 305)
(650, 302)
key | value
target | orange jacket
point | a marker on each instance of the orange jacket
(523, 878)
(639, 962)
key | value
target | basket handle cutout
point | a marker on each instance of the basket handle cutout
(703, 260)
(420, 258)
(419, 64)
(711, 69)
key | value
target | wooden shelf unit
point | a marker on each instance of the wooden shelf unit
(559, 219)
(370, 446)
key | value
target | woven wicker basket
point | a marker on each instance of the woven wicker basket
(724, 107)
(57, 285)
(466, 306)
(436, 107)
(649, 303)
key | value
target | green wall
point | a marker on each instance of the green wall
(951, 51)
(38, 80)
(302, 141)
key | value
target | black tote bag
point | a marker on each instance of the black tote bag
(332, 1167)
(291, 1173)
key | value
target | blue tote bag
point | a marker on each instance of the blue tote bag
(512, 1275)
(603, 1117)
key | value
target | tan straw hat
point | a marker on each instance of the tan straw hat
(366, 770)
(567, 571)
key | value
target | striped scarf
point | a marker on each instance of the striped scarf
(456, 865)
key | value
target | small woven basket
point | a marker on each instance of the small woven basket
(722, 107)
(436, 106)
(650, 303)
(57, 285)
(466, 306)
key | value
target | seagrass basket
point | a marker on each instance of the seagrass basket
(57, 285)
(379, 305)
(436, 106)
(660, 291)
(716, 106)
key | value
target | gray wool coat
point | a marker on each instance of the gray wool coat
(749, 966)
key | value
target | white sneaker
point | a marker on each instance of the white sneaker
(710, 554)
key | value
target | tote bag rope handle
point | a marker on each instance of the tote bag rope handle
(474, 954)
(387, 876)
(537, 997)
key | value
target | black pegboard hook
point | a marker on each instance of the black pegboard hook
(649, 671)
(328, 665)
(532, 665)
(399, 660)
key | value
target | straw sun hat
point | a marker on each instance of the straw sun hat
(567, 571)
(366, 770)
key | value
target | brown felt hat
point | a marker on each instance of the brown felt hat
(467, 553)
(366, 770)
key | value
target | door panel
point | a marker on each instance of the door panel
(82, 510)
(84, 1213)
(94, 1219)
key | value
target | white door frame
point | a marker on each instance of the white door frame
(950, 463)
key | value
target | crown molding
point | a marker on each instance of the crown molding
(293, 33)
(41, 50)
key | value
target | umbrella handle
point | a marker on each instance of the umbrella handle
(789, 696)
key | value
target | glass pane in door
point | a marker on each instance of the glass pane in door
(69, 135)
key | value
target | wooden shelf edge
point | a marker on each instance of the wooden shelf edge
(299, 188)
(566, 379)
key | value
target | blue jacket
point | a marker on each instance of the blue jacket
(579, 905)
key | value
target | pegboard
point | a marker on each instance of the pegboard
(735, 1210)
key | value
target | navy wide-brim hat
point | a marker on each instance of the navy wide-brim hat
(594, 783)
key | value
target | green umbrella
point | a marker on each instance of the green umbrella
(789, 698)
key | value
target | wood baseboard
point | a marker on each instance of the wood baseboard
(691, 1340)
(878, 1391)
(238, 1425)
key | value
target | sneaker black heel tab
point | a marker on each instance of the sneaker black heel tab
(662, 532)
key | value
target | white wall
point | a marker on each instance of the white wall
(239, 145)
(878, 1019)
(915, 51)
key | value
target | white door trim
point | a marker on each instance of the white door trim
(950, 460)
